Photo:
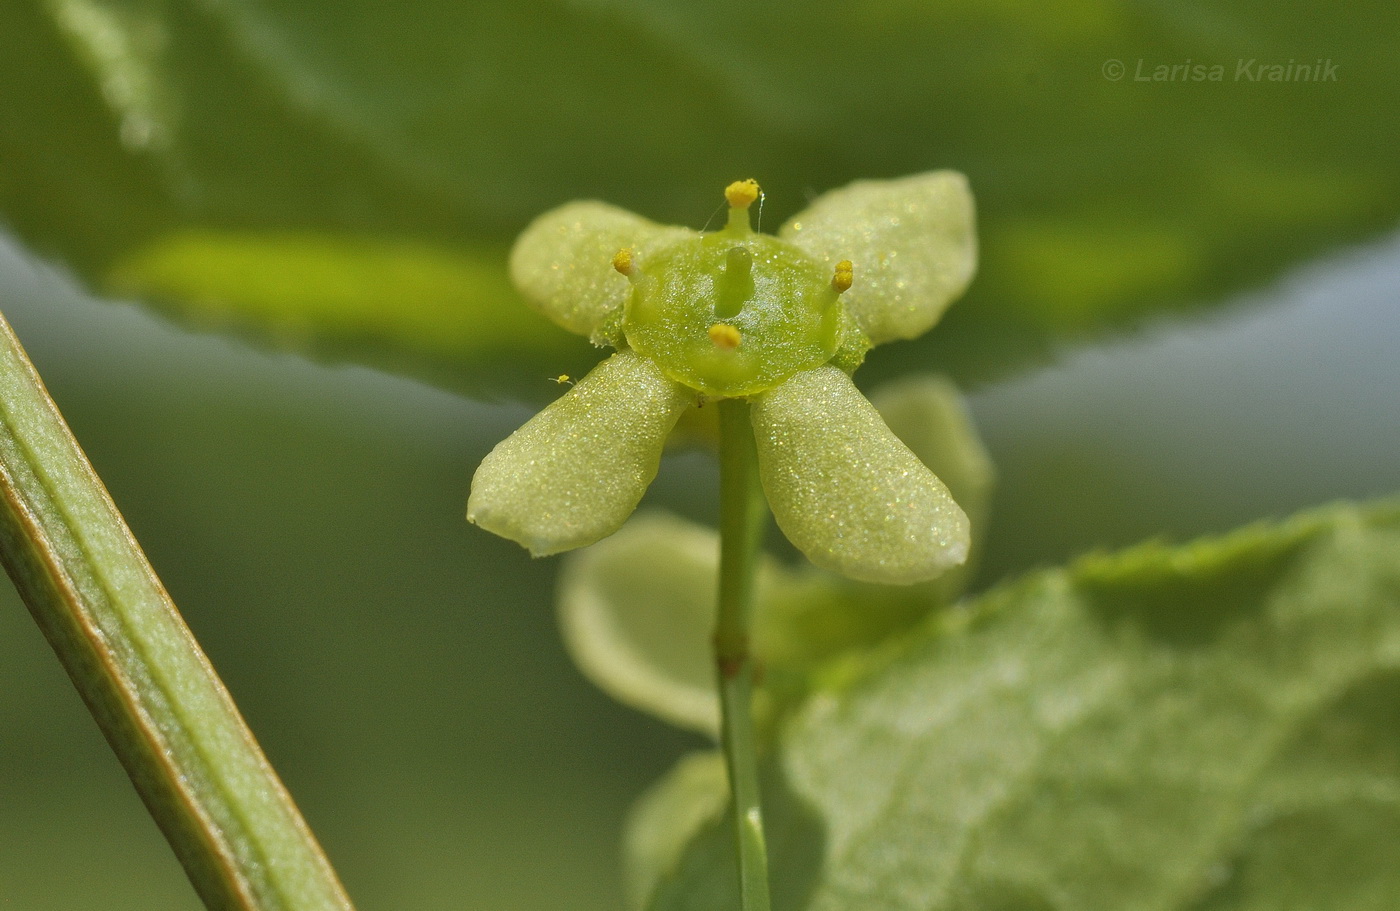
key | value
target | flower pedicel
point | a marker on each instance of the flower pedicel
(779, 320)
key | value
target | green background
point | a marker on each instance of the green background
(402, 668)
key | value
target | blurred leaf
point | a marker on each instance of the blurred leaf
(637, 611)
(441, 302)
(129, 126)
(1205, 727)
(667, 816)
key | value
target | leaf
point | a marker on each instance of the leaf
(663, 820)
(637, 611)
(1205, 727)
(442, 302)
(284, 128)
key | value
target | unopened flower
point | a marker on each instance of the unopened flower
(779, 320)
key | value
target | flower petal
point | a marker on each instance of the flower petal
(846, 491)
(913, 243)
(929, 416)
(562, 263)
(575, 471)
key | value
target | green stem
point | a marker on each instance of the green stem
(150, 688)
(743, 513)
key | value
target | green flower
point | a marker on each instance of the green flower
(779, 320)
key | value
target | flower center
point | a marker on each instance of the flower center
(733, 313)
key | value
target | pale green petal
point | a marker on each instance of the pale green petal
(928, 414)
(563, 262)
(846, 491)
(577, 469)
(913, 243)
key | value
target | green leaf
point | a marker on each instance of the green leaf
(440, 302)
(163, 148)
(1205, 727)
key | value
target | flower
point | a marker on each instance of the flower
(779, 320)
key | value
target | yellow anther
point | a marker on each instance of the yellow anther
(725, 336)
(564, 379)
(742, 193)
(622, 261)
(841, 281)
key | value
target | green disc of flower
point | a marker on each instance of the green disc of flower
(733, 313)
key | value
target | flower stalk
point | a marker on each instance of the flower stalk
(743, 516)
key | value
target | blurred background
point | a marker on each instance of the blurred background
(256, 250)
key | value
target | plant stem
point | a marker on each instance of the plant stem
(743, 513)
(144, 678)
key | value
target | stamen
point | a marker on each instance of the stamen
(725, 336)
(841, 280)
(741, 194)
(845, 274)
(625, 263)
